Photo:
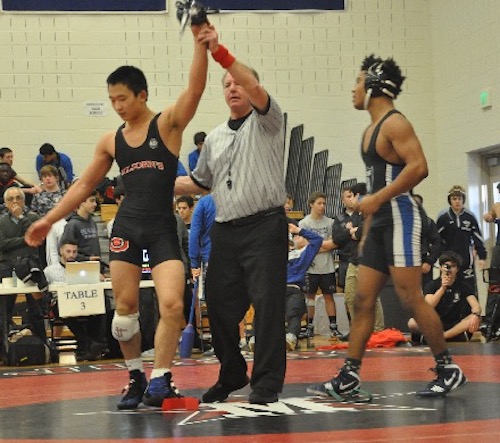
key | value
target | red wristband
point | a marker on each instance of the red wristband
(223, 57)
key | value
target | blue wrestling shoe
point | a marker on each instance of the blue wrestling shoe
(159, 389)
(135, 390)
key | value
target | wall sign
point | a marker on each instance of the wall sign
(96, 109)
(80, 300)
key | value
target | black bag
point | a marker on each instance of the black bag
(28, 351)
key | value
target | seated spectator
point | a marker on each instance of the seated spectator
(6, 181)
(13, 225)
(49, 156)
(7, 156)
(51, 193)
(454, 301)
(45, 200)
(88, 331)
(199, 141)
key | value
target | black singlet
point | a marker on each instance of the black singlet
(149, 173)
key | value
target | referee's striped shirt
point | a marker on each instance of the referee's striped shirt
(252, 158)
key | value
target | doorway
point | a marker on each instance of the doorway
(483, 178)
(490, 196)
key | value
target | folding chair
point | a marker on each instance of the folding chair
(59, 334)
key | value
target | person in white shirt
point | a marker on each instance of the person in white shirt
(88, 331)
(321, 273)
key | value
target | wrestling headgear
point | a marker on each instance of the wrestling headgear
(456, 190)
(383, 77)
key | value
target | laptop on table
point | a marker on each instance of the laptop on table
(83, 272)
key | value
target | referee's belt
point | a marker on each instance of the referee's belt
(256, 217)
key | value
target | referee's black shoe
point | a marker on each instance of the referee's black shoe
(219, 392)
(262, 396)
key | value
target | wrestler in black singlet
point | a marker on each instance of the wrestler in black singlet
(145, 219)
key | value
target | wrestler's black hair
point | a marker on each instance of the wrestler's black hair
(131, 77)
(370, 60)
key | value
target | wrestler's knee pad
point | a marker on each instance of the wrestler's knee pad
(124, 327)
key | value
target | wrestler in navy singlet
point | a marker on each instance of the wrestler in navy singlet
(401, 214)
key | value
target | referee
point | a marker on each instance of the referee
(242, 163)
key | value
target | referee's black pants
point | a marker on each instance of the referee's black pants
(247, 264)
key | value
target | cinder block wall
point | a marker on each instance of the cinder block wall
(465, 60)
(51, 65)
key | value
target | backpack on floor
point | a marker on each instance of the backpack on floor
(28, 350)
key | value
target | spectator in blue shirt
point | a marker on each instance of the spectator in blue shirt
(49, 156)
(199, 140)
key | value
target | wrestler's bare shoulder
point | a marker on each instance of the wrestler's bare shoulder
(106, 144)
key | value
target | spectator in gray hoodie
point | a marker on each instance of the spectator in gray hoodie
(83, 229)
